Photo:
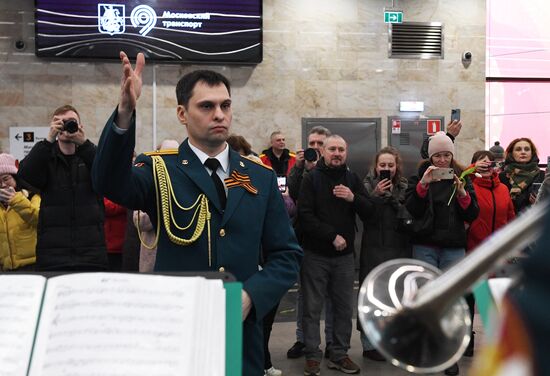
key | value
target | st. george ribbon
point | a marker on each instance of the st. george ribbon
(415, 315)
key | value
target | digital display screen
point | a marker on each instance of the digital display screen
(222, 31)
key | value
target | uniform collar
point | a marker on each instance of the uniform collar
(222, 157)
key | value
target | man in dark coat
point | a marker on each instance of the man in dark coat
(235, 219)
(70, 224)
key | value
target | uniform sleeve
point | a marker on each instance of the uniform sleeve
(34, 167)
(113, 174)
(283, 257)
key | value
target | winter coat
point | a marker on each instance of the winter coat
(281, 165)
(322, 216)
(115, 226)
(18, 231)
(381, 241)
(495, 209)
(521, 202)
(70, 224)
(448, 220)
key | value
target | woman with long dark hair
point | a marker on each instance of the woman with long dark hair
(19, 207)
(521, 171)
(381, 240)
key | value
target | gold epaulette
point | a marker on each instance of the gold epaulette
(259, 163)
(162, 152)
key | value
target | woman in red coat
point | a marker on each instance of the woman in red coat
(495, 204)
(495, 210)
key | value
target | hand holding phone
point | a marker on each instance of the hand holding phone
(455, 114)
(441, 173)
(385, 174)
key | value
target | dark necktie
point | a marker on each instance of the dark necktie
(213, 164)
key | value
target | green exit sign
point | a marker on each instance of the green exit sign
(393, 17)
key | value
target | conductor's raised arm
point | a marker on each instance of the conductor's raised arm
(130, 89)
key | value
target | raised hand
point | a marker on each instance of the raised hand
(130, 89)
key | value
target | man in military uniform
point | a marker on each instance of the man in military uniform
(203, 224)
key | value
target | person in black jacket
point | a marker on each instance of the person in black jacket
(382, 240)
(70, 224)
(329, 199)
(443, 206)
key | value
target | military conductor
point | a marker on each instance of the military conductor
(214, 210)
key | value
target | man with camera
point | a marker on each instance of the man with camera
(70, 224)
(306, 159)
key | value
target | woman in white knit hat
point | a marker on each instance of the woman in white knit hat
(441, 204)
(18, 218)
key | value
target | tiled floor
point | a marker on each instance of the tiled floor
(283, 336)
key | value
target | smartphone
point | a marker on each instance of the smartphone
(535, 188)
(443, 173)
(281, 182)
(385, 174)
(455, 114)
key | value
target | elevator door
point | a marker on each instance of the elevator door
(409, 139)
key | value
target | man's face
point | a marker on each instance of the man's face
(207, 116)
(334, 152)
(69, 115)
(278, 141)
(316, 140)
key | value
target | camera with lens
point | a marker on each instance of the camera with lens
(70, 125)
(311, 155)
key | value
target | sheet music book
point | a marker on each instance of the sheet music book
(111, 324)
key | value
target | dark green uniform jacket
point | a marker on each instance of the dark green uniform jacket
(249, 223)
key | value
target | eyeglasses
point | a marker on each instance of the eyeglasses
(6, 179)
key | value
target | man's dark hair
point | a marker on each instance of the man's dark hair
(319, 129)
(186, 84)
(65, 108)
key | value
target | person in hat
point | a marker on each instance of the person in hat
(18, 218)
(441, 204)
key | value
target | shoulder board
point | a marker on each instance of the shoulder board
(257, 162)
(161, 152)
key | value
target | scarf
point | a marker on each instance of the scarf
(521, 175)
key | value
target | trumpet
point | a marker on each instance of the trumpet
(415, 315)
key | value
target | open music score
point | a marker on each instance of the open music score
(111, 323)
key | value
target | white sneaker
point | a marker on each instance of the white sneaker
(273, 372)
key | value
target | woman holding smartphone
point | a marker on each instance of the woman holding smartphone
(495, 210)
(381, 241)
(521, 171)
(18, 218)
(442, 206)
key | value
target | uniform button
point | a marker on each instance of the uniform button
(222, 232)
(221, 269)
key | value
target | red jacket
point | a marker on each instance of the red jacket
(495, 209)
(115, 226)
